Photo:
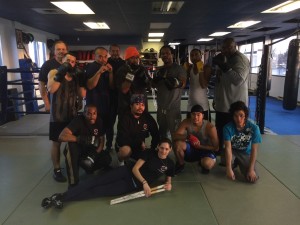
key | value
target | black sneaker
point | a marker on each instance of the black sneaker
(46, 203)
(56, 200)
(178, 168)
(58, 176)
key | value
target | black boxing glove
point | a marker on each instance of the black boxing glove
(88, 140)
(81, 77)
(129, 77)
(172, 83)
(88, 162)
(221, 61)
(61, 71)
(158, 76)
(142, 75)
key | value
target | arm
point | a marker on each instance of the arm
(67, 136)
(251, 175)
(180, 133)
(240, 70)
(138, 175)
(44, 95)
(52, 85)
(101, 145)
(111, 76)
(153, 132)
(228, 156)
(168, 183)
(204, 76)
(93, 81)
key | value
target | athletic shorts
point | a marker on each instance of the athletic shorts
(191, 154)
(55, 129)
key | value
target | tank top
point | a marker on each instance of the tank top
(201, 135)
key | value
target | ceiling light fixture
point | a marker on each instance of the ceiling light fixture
(205, 39)
(98, 25)
(73, 7)
(174, 43)
(155, 34)
(284, 7)
(154, 40)
(244, 24)
(218, 34)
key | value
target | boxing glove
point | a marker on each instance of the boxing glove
(172, 83)
(221, 61)
(61, 71)
(129, 77)
(194, 141)
(88, 140)
(157, 76)
(80, 76)
(88, 162)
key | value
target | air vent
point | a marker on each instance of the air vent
(166, 7)
(265, 29)
(292, 21)
(48, 10)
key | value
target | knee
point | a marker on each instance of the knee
(124, 152)
(208, 163)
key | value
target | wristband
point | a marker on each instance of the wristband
(144, 182)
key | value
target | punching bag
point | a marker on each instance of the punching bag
(291, 83)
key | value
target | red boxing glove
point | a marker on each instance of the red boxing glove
(194, 141)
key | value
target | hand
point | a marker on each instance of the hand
(221, 61)
(230, 174)
(251, 176)
(143, 146)
(168, 186)
(102, 69)
(172, 83)
(62, 71)
(194, 141)
(109, 67)
(147, 189)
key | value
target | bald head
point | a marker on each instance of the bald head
(228, 47)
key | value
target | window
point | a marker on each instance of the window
(257, 51)
(246, 50)
(37, 52)
(279, 56)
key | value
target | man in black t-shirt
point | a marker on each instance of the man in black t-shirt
(85, 137)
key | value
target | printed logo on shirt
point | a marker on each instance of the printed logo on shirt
(145, 127)
(163, 169)
(96, 132)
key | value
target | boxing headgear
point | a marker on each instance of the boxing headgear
(131, 52)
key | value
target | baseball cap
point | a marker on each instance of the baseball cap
(197, 108)
(137, 98)
(131, 52)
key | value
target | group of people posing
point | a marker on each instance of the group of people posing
(117, 88)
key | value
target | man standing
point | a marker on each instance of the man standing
(133, 128)
(64, 91)
(60, 49)
(132, 78)
(116, 62)
(196, 139)
(169, 81)
(85, 137)
(231, 85)
(199, 76)
(99, 84)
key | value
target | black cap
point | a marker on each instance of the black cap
(197, 108)
(137, 98)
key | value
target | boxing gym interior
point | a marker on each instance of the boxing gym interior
(27, 27)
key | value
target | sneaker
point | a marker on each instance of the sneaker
(46, 203)
(178, 168)
(58, 176)
(56, 200)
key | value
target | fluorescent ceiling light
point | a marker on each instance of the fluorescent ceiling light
(155, 34)
(174, 43)
(284, 7)
(166, 7)
(98, 25)
(205, 39)
(154, 40)
(218, 34)
(244, 24)
(73, 7)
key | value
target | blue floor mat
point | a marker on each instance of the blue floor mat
(277, 119)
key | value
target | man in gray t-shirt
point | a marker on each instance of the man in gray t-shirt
(169, 81)
(231, 86)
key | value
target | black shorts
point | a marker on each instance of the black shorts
(55, 129)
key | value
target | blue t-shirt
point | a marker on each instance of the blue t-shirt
(242, 140)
